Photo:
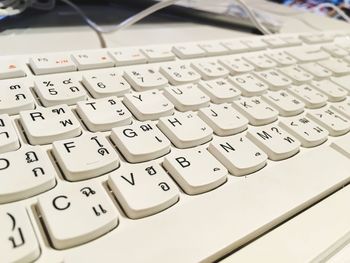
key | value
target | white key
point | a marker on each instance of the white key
(298, 75)
(148, 105)
(214, 48)
(292, 40)
(157, 54)
(238, 154)
(281, 58)
(8, 135)
(333, 91)
(255, 110)
(316, 70)
(92, 60)
(219, 90)
(343, 82)
(309, 133)
(46, 125)
(249, 85)
(145, 78)
(336, 65)
(105, 83)
(185, 130)
(143, 189)
(275, 42)
(179, 73)
(308, 53)
(54, 90)
(103, 114)
(11, 69)
(236, 65)
(185, 51)
(274, 79)
(77, 213)
(235, 46)
(25, 173)
(316, 38)
(342, 145)
(195, 170)
(140, 141)
(311, 97)
(223, 119)
(335, 50)
(210, 69)
(274, 141)
(260, 61)
(18, 242)
(128, 56)
(342, 107)
(15, 96)
(285, 103)
(187, 97)
(99, 156)
(51, 63)
(254, 43)
(331, 120)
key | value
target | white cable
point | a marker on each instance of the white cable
(15, 8)
(335, 8)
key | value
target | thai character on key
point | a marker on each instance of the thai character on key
(20, 233)
(87, 191)
(12, 87)
(103, 151)
(37, 171)
(6, 134)
(74, 89)
(18, 96)
(31, 157)
(164, 186)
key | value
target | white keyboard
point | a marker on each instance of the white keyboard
(178, 153)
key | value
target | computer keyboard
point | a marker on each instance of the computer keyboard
(176, 153)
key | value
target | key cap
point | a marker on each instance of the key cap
(286, 104)
(127, 56)
(9, 139)
(148, 105)
(316, 70)
(308, 53)
(254, 44)
(46, 125)
(185, 51)
(223, 119)
(187, 97)
(343, 82)
(342, 145)
(103, 114)
(292, 40)
(219, 90)
(185, 130)
(236, 65)
(99, 156)
(309, 133)
(255, 110)
(295, 73)
(238, 154)
(11, 69)
(281, 58)
(178, 74)
(195, 170)
(337, 66)
(274, 141)
(145, 78)
(333, 91)
(210, 69)
(214, 48)
(274, 79)
(275, 42)
(15, 97)
(25, 173)
(335, 123)
(249, 85)
(140, 141)
(311, 97)
(342, 107)
(92, 60)
(51, 63)
(18, 243)
(54, 90)
(157, 53)
(260, 61)
(77, 213)
(235, 46)
(335, 50)
(143, 189)
(106, 83)
(316, 38)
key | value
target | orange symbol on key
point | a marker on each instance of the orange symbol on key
(12, 66)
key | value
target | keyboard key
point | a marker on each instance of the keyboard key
(309, 133)
(255, 110)
(145, 78)
(54, 90)
(105, 83)
(157, 53)
(195, 170)
(143, 189)
(342, 107)
(311, 97)
(298, 75)
(316, 70)
(335, 50)
(187, 97)
(92, 60)
(148, 105)
(274, 141)
(235, 46)
(185, 51)
(316, 38)
(9, 139)
(292, 40)
(185, 130)
(18, 243)
(308, 53)
(25, 173)
(103, 114)
(51, 63)
(11, 69)
(336, 65)
(249, 85)
(46, 125)
(99, 156)
(236, 65)
(254, 43)
(179, 73)
(210, 69)
(260, 61)
(342, 145)
(77, 213)
(128, 56)
(333, 91)
(219, 90)
(274, 79)
(238, 154)
(223, 119)
(281, 58)
(275, 42)
(140, 141)
(214, 48)
(343, 82)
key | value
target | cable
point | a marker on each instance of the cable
(340, 12)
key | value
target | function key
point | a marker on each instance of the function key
(185, 51)
(11, 69)
(128, 56)
(92, 60)
(158, 54)
(46, 64)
